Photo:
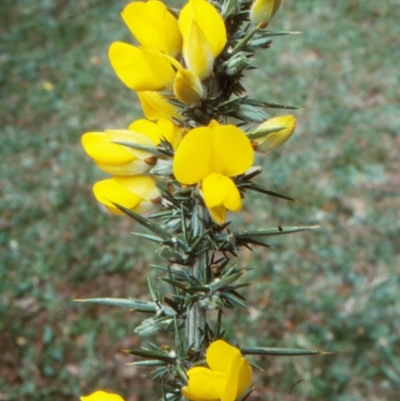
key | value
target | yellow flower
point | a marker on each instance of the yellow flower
(141, 69)
(208, 21)
(123, 160)
(117, 159)
(145, 68)
(204, 37)
(229, 375)
(102, 396)
(263, 10)
(210, 156)
(153, 26)
(138, 193)
(273, 133)
(155, 65)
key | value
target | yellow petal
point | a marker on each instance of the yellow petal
(220, 356)
(197, 52)
(136, 193)
(164, 129)
(128, 169)
(193, 159)
(155, 106)
(214, 190)
(218, 214)
(153, 26)
(206, 384)
(278, 131)
(232, 202)
(147, 128)
(213, 124)
(160, 65)
(169, 132)
(189, 395)
(141, 185)
(232, 151)
(133, 137)
(114, 158)
(131, 68)
(245, 376)
(99, 147)
(223, 149)
(102, 396)
(262, 11)
(109, 192)
(230, 392)
(220, 190)
(209, 21)
(219, 196)
(187, 87)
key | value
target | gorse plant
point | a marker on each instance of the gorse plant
(179, 171)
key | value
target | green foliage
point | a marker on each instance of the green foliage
(334, 289)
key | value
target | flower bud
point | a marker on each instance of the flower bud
(187, 87)
(273, 133)
(262, 11)
(236, 64)
(208, 19)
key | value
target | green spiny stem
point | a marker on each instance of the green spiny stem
(244, 41)
(195, 323)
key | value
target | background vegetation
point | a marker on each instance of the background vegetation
(334, 289)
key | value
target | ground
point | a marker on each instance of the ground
(335, 289)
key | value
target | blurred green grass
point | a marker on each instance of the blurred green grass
(336, 288)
